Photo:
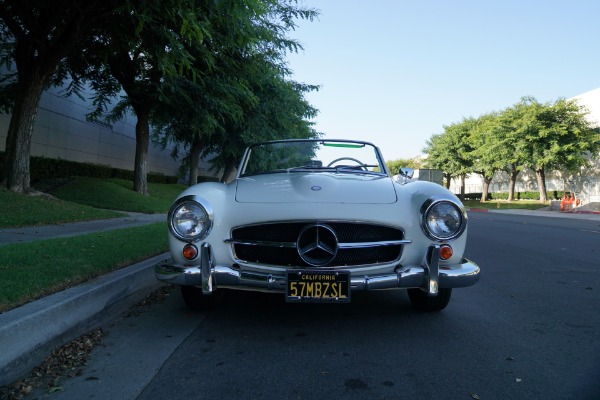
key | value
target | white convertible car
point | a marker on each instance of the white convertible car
(318, 219)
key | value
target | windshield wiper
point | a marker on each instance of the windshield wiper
(357, 168)
(271, 171)
(339, 168)
(310, 167)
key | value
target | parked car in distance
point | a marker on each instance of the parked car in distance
(318, 219)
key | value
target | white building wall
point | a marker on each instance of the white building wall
(591, 100)
(62, 132)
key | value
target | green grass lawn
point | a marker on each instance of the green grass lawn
(118, 194)
(84, 199)
(22, 210)
(33, 270)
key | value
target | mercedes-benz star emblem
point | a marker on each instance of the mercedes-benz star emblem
(317, 245)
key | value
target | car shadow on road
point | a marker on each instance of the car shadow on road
(376, 307)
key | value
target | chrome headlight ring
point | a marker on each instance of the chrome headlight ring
(190, 218)
(443, 219)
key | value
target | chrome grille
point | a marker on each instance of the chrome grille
(275, 243)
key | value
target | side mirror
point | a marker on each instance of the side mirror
(404, 175)
(407, 173)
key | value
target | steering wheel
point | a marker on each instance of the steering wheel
(360, 163)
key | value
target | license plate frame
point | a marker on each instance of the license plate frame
(317, 286)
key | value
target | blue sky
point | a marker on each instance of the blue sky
(395, 72)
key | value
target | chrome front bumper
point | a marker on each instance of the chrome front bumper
(429, 277)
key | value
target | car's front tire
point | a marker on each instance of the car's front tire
(195, 299)
(422, 301)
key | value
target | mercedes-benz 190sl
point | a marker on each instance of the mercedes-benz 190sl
(318, 220)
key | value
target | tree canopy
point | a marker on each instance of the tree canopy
(542, 137)
(394, 165)
(189, 57)
(35, 38)
(261, 102)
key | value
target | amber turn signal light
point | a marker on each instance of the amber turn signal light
(446, 252)
(190, 252)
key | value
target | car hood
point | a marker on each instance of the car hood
(319, 187)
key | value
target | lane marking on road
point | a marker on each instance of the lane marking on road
(586, 230)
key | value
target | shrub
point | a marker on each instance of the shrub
(518, 196)
(43, 169)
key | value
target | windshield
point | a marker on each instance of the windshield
(312, 155)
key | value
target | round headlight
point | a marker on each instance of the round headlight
(190, 220)
(443, 220)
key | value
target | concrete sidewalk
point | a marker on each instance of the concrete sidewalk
(28, 234)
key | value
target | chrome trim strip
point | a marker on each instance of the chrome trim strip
(461, 275)
(373, 244)
(432, 269)
(292, 245)
(320, 221)
(181, 275)
(206, 268)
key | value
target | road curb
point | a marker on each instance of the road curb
(31, 332)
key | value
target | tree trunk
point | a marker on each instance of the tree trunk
(541, 179)
(142, 141)
(461, 196)
(227, 171)
(36, 56)
(448, 179)
(18, 140)
(514, 173)
(486, 189)
(194, 160)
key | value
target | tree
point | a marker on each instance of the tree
(512, 127)
(188, 44)
(450, 151)
(558, 137)
(438, 156)
(394, 165)
(487, 152)
(36, 36)
(245, 96)
(198, 116)
(280, 113)
(140, 51)
(280, 110)
(576, 139)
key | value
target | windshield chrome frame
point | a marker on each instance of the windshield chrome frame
(248, 151)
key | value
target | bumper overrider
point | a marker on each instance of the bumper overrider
(429, 276)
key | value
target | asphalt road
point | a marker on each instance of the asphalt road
(530, 329)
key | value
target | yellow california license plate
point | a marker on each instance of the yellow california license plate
(318, 286)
